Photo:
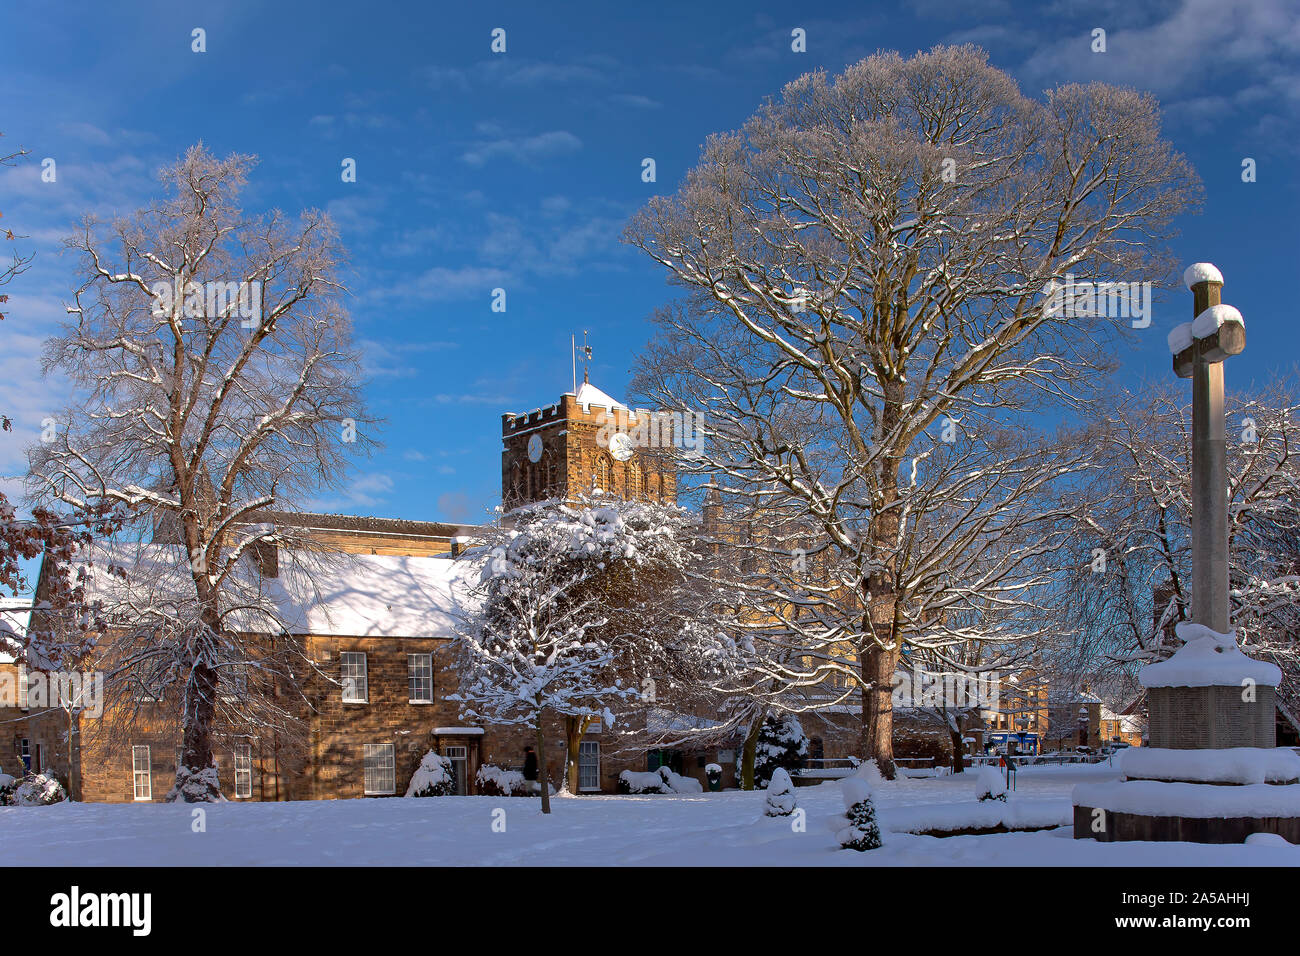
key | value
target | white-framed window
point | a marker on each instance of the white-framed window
(243, 770)
(381, 769)
(419, 669)
(140, 772)
(22, 686)
(355, 689)
(589, 765)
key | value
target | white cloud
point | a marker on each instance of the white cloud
(522, 149)
(1199, 42)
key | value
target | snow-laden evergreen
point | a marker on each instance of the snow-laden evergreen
(782, 745)
(862, 831)
(780, 799)
(433, 778)
(33, 790)
(196, 786)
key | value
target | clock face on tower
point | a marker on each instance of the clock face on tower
(621, 447)
(535, 448)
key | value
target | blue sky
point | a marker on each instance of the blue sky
(478, 170)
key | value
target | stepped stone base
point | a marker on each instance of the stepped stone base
(1134, 826)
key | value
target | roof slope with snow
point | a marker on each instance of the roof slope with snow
(327, 594)
(589, 394)
(373, 595)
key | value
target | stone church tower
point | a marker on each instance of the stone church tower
(565, 449)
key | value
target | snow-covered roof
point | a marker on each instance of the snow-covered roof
(373, 595)
(327, 594)
(589, 394)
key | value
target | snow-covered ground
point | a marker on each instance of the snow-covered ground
(718, 829)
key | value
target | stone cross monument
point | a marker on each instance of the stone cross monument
(1202, 361)
(1212, 773)
(1209, 710)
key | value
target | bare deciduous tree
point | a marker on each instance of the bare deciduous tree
(865, 259)
(210, 352)
(1129, 577)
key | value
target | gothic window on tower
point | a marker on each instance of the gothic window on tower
(600, 474)
(517, 487)
(635, 481)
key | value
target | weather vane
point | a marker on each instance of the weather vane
(586, 359)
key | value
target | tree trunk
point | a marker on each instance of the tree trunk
(880, 660)
(574, 728)
(748, 752)
(543, 775)
(200, 704)
(958, 761)
(877, 735)
(568, 779)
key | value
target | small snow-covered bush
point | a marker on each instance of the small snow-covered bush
(662, 780)
(861, 831)
(678, 784)
(780, 799)
(634, 781)
(201, 787)
(781, 743)
(34, 790)
(433, 778)
(990, 785)
(492, 781)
